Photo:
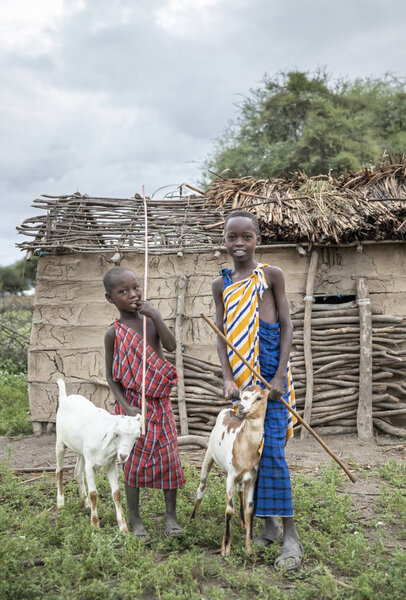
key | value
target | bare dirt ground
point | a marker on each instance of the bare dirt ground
(302, 455)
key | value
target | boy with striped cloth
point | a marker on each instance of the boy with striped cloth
(154, 461)
(252, 310)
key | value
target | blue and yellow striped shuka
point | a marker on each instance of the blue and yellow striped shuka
(243, 327)
(259, 343)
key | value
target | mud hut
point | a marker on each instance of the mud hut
(340, 243)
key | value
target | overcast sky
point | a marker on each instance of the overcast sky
(104, 96)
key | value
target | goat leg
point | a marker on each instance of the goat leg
(112, 476)
(242, 517)
(60, 453)
(206, 466)
(91, 485)
(80, 478)
(226, 545)
(249, 509)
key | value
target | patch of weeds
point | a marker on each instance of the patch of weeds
(351, 553)
(384, 579)
(394, 472)
(322, 514)
(392, 506)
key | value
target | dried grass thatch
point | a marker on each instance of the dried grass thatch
(367, 205)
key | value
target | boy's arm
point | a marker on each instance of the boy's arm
(115, 386)
(277, 280)
(229, 385)
(165, 335)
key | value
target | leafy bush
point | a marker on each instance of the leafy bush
(14, 404)
(15, 329)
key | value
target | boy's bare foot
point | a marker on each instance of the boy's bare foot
(141, 533)
(172, 527)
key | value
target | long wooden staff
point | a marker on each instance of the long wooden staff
(144, 322)
(268, 386)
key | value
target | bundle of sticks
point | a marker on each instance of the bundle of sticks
(203, 392)
(336, 353)
(81, 222)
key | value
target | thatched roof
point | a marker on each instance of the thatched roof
(366, 205)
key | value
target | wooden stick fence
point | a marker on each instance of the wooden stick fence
(336, 346)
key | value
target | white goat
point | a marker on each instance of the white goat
(235, 445)
(99, 439)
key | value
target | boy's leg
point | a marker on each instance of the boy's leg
(172, 527)
(273, 494)
(272, 531)
(136, 525)
(292, 549)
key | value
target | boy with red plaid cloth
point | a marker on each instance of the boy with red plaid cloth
(154, 461)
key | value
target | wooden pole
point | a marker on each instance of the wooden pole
(268, 386)
(180, 310)
(144, 322)
(307, 338)
(364, 413)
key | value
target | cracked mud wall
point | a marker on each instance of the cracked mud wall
(71, 314)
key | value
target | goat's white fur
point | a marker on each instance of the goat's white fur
(99, 439)
(234, 444)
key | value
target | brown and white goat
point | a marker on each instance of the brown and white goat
(99, 439)
(235, 445)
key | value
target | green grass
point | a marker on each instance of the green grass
(14, 404)
(392, 502)
(77, 562)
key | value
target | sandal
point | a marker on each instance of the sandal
(174, 532)
(289, 561)
(144, 537)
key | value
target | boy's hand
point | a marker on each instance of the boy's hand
(231, 390)
(145, 308)
(277, 388)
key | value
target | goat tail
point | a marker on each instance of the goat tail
(62, 391)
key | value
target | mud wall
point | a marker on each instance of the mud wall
(71, 314)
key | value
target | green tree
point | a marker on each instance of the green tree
(299, 121)
(18, 277)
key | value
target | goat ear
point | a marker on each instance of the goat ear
(108, 437)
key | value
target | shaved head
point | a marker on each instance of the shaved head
(242, 213)
(109, 276)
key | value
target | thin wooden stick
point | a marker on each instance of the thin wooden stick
(268, 386)
(364, 414)
(180, 310)
(307, 337)
(144, 323)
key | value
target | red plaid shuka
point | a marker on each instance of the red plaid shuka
(154, 461)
